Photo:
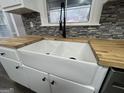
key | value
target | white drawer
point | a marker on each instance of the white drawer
(8, 53)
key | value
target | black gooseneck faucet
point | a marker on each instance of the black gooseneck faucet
(62, 21)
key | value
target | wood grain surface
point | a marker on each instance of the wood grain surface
(109, 53)
(18, 42)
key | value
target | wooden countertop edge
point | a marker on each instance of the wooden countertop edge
(21, 44)
(29, 43)
(96, 56)
(111, 64)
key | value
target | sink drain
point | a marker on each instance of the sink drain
(47, 53)
(73, 58)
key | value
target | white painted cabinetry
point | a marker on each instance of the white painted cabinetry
(44, 82)
(37, 80)
(20, 6)
(9, 53)
(14, 70)
(41, 82)
(59, 85)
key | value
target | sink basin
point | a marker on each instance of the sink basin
(69, 50)
(75, 51)
(69, 60)
(43, 47)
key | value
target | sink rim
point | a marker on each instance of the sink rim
(54, 56)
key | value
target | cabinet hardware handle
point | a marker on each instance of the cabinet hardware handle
(44, 79)
(2, 54)
(17, 67)
(53, 82)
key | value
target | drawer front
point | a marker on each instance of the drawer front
(8, 53)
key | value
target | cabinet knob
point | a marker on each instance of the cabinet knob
(17, 67)
(2, 54)
(53, 82)
(44, 79)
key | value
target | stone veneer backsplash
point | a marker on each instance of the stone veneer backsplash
(112, 24)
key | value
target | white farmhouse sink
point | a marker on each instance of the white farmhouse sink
(69, 60)
(69, 50)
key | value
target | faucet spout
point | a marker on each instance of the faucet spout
(62, 21)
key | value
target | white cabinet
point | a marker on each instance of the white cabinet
(41, 82)
(9, 3)
(20, 6)
(9, 53)
(59, 85)
(37, 80)
(14, 71)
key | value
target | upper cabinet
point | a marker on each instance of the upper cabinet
(9, 3)
(20, 6)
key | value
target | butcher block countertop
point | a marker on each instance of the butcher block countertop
(109, 53)
(18, 42)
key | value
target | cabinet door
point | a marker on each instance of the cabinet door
(59, 85)
(10, 3)
(14, 70)
(37, 80)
